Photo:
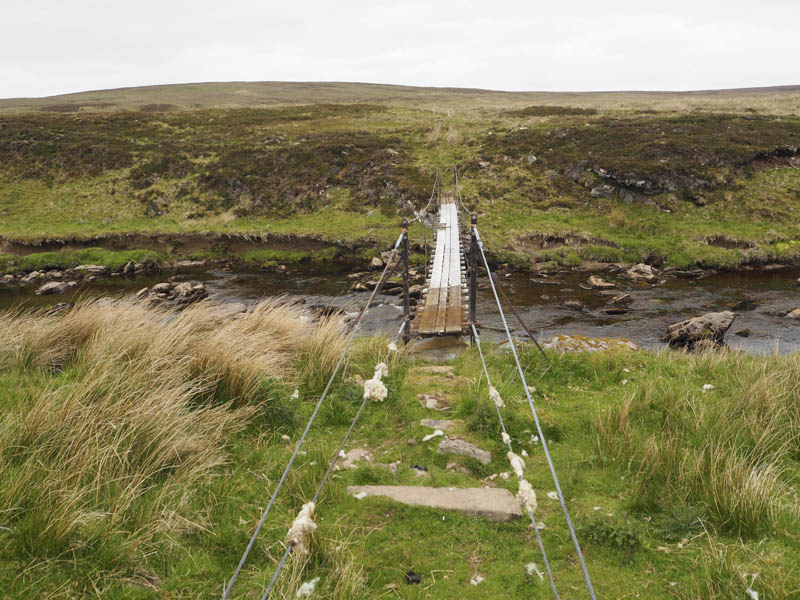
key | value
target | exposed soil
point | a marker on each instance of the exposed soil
(176, 243)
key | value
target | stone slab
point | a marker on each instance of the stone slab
(463, 448)
(494, 504)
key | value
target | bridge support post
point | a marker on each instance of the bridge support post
(473, 274)
(406, 303)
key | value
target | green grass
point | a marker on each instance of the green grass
(658, 474)
(346, 174)
(113, 259)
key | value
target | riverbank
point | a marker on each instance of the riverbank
(677, 469)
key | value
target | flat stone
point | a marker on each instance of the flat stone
(442, 424)
(794, 314)
(434, 401)
(494, 504)
(436, 370)
(463, 448)
(353, 456)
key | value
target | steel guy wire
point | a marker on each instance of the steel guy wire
(538, 424)
(252, 541)
(290, 546)
(511, 449)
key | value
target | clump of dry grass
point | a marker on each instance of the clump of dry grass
(730, 450)
(143, 404)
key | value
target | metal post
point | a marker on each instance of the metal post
(406, 304)
(473, 271)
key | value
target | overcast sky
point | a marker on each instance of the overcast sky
(57, 46)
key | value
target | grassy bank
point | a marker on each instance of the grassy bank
(709, 181)
(138, 451)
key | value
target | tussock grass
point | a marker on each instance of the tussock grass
(134, 417)
(728, 450)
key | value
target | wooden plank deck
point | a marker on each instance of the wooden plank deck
(442, 310)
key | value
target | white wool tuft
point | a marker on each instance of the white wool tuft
(392, 347)
(517, 464)
(506, 438)
(305, 590)
(375, 390)
(295, 394)
(494, 395)
(430, 436)
(526, 496)
(303, 525)
(752, 593)
(531, 569)
(381, 370)
(552, 495)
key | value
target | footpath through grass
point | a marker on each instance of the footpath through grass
(136, 458)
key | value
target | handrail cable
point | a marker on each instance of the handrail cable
(536, 420)
(252, 541)
(511, 449)
(336, 455)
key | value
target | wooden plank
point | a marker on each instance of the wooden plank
(453, 321)
(442, 311)
(428, 320)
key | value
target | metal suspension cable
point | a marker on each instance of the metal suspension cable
(511, 449)
(252, 541)
(290, 546)
(550, 464)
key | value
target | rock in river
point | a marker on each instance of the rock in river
(711, 326)
(599, 283)
(55, 287)
(641, 272)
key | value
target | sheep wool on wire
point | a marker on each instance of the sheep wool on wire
(302, 526)
(494, 395)
(517, 464)
(526, 495)
(374, 388)
(506, 438)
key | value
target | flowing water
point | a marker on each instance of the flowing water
(759, 298)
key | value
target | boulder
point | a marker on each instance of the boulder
(179, 293)
(376, 263)
(55, 287)
(641, 272)
(186, 292)
(415, 291)
(8, 279)
(128, 268)
(463, 448)
(794, 314)
(711, 326)
(599, 283)
(162, 289)
(31, 277)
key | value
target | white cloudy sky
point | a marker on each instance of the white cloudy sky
(58, 46)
